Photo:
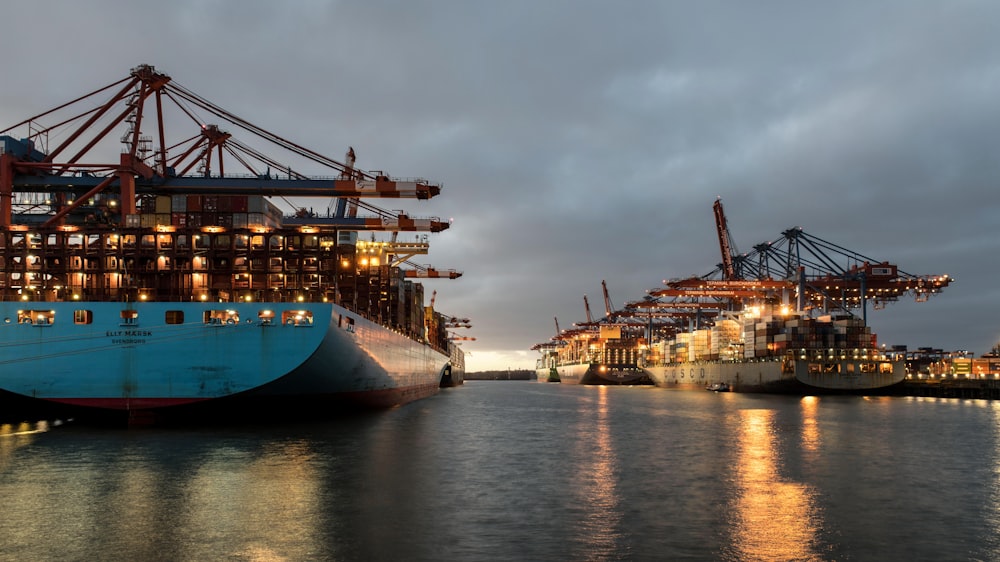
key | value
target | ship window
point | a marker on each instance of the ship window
(297, 318)
(831, 368)
(175, 317)
(221, 317)
(850, 368)
(36, 317)
(885, 368)
(130, 318)
(83, 317)
(814, 368)
(868, 367)
(265, 317)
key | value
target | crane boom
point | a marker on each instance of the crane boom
(725, 243)
(608, 308)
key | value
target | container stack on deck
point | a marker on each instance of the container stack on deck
(761, 336)
(196, 211)
(213, 248)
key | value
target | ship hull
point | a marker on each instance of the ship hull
(595, 373)
(161, 356)
(547, 374)
(778, 375)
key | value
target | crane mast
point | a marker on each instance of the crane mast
(608, 308)
(725, 241)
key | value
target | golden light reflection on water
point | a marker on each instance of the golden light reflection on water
(13, 436)
(601, 520)
(994, 518)
(775, 519)
(269, 498)
(810, 427)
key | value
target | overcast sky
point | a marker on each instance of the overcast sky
(581, 141)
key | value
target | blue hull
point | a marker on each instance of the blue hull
(158, 355)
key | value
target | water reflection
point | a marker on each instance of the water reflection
(600, 523)
(157, 496)
(14, 436)
(993, 515)
(271, 497)
(775, 519)
(810, 427)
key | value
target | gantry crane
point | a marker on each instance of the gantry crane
(796, 267)
(176, 144)
(164, 170)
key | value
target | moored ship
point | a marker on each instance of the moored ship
(138, 289)
(601, 352)
(779, 319)
(772, 350)
(604, 354)
(545, 365)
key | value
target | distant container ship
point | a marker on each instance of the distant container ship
(771, 350)
(137, 290)
(604, 354)
(778, 320)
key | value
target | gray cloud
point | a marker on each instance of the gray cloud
(581, 141)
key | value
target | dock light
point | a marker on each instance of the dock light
(76, 297)
(204, 297)
(301, 298)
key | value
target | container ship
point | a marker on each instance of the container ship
(606, 355)
(604, 352)
(779, 319)
(155, 286)
(545, 365)
(769, 349)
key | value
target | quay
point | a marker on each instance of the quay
(946, 386)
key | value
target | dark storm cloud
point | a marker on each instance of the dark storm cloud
(581, 141)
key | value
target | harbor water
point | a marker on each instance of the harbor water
(520, 470)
